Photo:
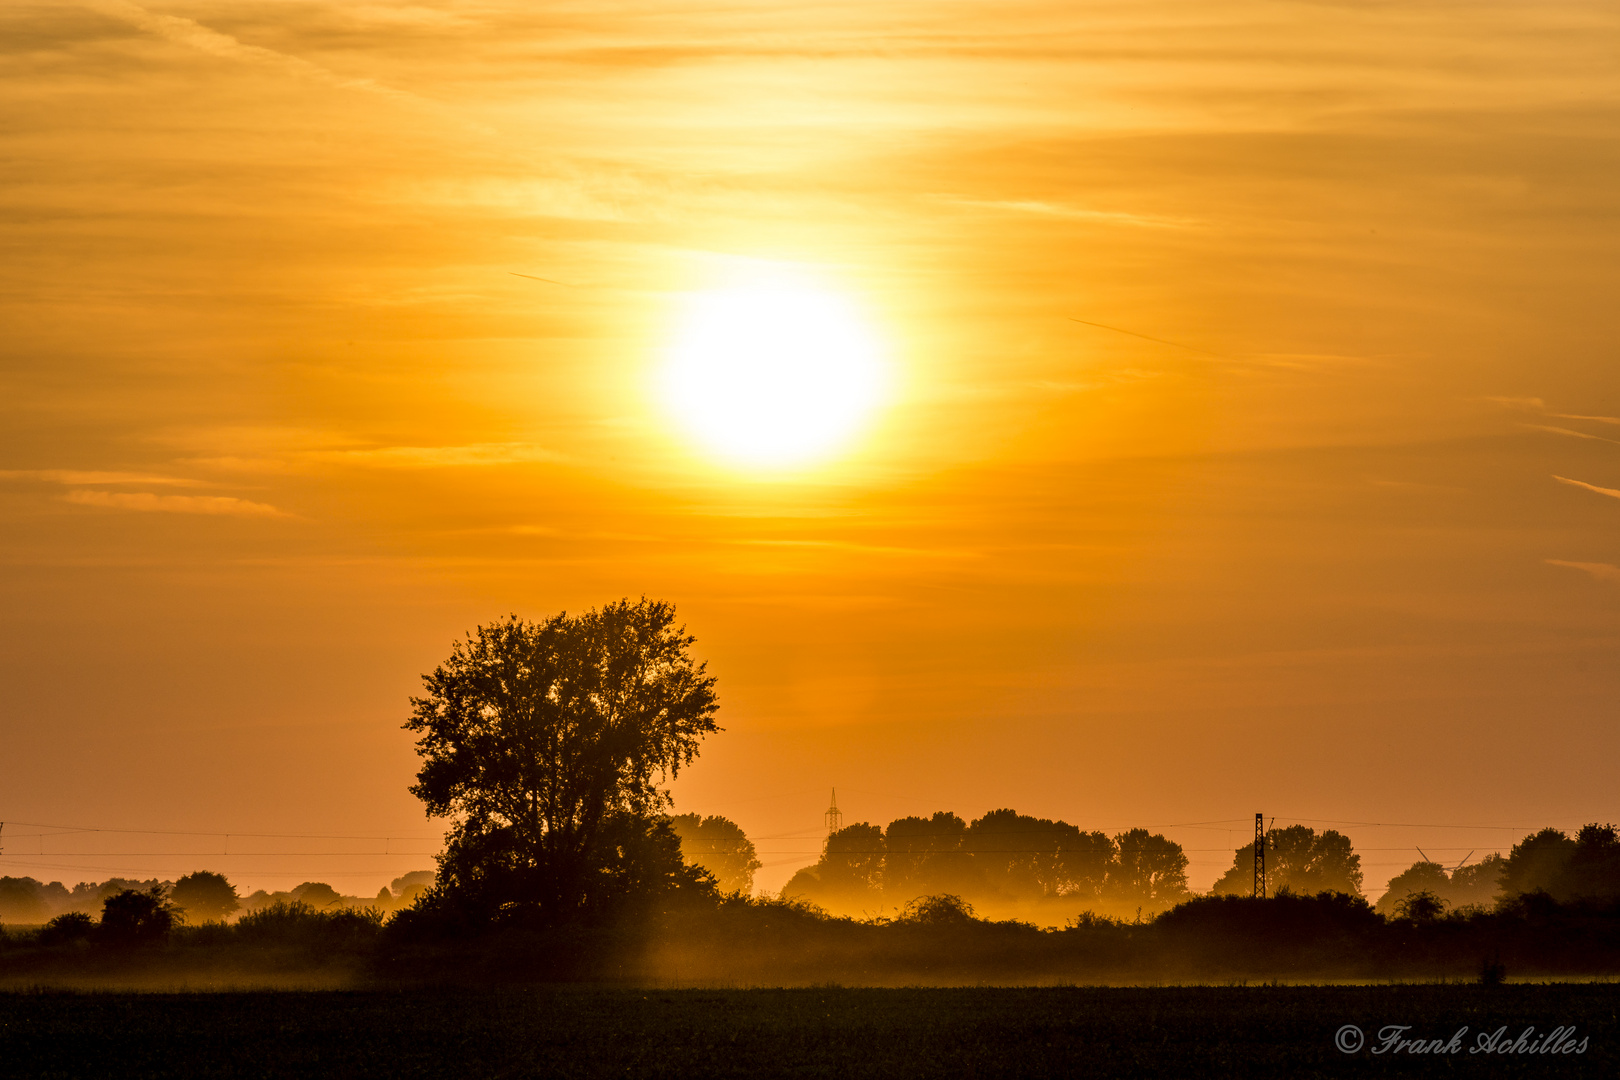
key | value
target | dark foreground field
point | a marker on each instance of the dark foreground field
(577, 1032)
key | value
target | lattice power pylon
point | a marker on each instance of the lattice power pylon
(834, 817)
(1260, 855)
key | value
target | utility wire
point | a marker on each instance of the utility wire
(62, 829)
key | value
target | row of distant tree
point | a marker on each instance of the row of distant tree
(1001, 858)
(1006, 860)
(203, 896)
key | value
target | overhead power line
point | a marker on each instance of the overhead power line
(63, 829)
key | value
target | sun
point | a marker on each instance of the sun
(772, 373)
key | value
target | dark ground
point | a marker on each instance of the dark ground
(1261, 1031)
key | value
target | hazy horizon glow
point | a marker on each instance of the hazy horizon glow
(1243, 434)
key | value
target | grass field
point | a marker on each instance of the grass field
(1263, 1031)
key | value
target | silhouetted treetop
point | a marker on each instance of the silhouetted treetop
(1023, 856)
(1425, 876)
(204, 896)
(1298, 859)
(1003, 859)
(1587, 867)
(853, 860)
(924, 857)
(1476, 884)
(1594, 865)
(719, 846)
(1420, 907)
(132, 917)
(317, 894)
(23, 900)
(1148, 869)
(67, 928)
(547, 742)
(1537, 863)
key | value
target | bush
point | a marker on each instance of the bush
(136, 918)
(67, 929)
(1420, 907)
(944, 910)
(299, 924)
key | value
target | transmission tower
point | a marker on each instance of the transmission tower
(1260, 855)
(834, 817)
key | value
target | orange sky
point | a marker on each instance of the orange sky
(279, 422)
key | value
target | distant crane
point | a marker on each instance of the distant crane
(834, 817)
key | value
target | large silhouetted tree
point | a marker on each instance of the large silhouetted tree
(925, 857)
(1476, 884)
(719, 846)
(1028, 858)
(849, 873)
(547, 743)
(318, 895)
(1425, 877)
(204, 896)
(1594, 866)
(1466, 886)
(1585, 868)
(21, 901)
(1149, 870)
(1538, 864)
(852, 864)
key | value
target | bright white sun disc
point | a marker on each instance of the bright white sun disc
(772, 374)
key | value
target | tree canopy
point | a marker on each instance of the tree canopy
(317, 894)
(204, 896)
(1473, 885)
(1423, 877)
(1003, 861)
(719, 846)
(546, 744)
(1149, 870)
(924, 857)
(1586, 867)
(1299, 859)
(134, 917)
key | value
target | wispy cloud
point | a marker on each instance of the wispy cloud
(1537, 405)
(191, 34)
(1610, 492)
(194, 35)
(301, 459)
(1571, 434)
(437, 457)
(173, 504)
(864, 549)
(76, 477)
(1594, 419)
(1601, 570)
(1063, 210)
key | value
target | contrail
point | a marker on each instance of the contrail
(547, 280)
(1145, 337)
(1610, 492)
